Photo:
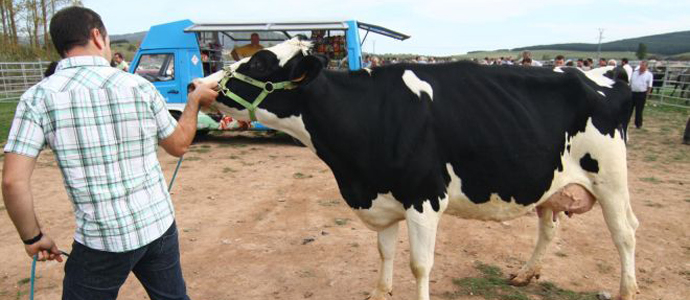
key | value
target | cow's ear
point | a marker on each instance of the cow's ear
(308, 68)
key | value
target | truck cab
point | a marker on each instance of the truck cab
(173, 54)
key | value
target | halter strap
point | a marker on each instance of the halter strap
(266, 87)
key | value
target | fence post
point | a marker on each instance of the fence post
(663, 87)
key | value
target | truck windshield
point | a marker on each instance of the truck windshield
(157, 67)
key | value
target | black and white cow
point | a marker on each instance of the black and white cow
(410, 142)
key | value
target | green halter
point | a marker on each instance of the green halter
(266, 88)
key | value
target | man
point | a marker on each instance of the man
(103, 126)
(528, 55)
(641, 85)
(602, 62)
(686, 135)
(247, 50)
(560, 61)
(612, 62)
(628, 69)
(120, 61)
(580, 63)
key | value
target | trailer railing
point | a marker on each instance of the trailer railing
(17, 77)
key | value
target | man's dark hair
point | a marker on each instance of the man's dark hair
(50, 70)
(118, 54)
(71, 27)
(624, 60)
(559, 57)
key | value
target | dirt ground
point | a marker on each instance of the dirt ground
(261, 218)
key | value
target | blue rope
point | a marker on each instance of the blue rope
(179, 162)
(33, 276)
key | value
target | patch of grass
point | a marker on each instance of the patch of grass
(299, 175)
(200, 150)
(652, 204)
(493, 285)
(193, 158)
(224, 145)
(233, 157)
(341, 221)
(229, 170)
(650, 180)
(24, 281)
(651, 157)
(561, 254)
(20, 294)
(604, 268)
(329, 202)
(206, 146)
(2, 207)
(6, 115)
(238, 145)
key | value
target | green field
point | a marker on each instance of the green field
(548, 55)
(6, 115)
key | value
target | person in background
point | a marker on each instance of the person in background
(559, 61)
(569, 63)
(580, 63)
(686, 136)
(120, 62)
(527, 54)
(586, 65)
(612, 62)
(641, 85)
(105, 142)
(628, 68)
(527, 62)
(590, 62)
(247, 50)
(602, 62)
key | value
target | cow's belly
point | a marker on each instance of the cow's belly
(384, 211)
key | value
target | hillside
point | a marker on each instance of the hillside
(665, 44)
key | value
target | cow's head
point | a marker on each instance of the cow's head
(271, 80)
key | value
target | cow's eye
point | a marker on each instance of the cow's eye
(257, 65)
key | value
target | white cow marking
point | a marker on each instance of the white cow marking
(287, 50)
(602, 93)
(597, 75)
(558, 70)
(417, 85)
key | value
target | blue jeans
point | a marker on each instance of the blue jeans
(97, 275)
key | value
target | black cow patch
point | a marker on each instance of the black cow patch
(589, 164)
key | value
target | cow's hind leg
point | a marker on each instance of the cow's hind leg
(622, 224)
(387, 240)
(422, 232)
(532, 269)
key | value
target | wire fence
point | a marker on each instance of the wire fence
(17, 77)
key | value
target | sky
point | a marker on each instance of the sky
(437, 27)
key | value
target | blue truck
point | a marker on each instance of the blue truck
(173, 54)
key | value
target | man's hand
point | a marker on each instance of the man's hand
(45, 248)
(204, 93)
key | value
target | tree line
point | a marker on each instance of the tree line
(24, 28)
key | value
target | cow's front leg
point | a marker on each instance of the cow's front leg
(547, 231)
(422, 231)
(387, 241)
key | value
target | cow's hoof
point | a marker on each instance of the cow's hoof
(377, 295)
(523, 277)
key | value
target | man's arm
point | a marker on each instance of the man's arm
(16, 192)
(178, 142)
(234, 55)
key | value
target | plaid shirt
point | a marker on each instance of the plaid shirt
(103, 125)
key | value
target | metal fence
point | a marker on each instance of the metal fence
(17, 77)
(671, 81)
(671, 84)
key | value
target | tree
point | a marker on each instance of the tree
(641, 51)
